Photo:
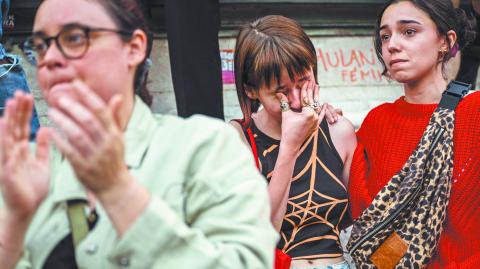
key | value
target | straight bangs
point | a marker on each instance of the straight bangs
(277, 54)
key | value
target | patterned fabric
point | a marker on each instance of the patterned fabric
(342, 265)
(420, 223)
(318, 201)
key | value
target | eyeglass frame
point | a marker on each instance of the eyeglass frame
(87, 30)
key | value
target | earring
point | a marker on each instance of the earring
(443, 51)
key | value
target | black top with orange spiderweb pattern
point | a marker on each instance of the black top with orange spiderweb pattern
(318, 202)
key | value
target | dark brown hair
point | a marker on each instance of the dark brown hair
(263, 49)
(445, 16)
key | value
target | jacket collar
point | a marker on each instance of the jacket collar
(140, 129)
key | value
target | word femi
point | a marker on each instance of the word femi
(352, 65)
(356, 75)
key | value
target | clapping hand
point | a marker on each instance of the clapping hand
(92, 138)
(24, 177)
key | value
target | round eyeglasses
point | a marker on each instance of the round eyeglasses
(72, 41)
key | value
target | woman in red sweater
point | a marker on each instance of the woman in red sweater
(414, 40)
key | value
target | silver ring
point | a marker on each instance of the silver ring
(284, 106)
(316, 104)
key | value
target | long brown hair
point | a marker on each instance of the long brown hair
(263, 49)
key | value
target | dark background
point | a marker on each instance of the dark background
(310, 13)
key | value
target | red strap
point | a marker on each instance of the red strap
(282, 260)
(254, 147)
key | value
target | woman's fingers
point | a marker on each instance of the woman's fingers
(88, 97)
(75, 134)
(330, 113)
(18, 113)
(43, 145)
(316, 102)
(10, 117)
(322, 113)
(82, 116)
(316, 94)
(93, 102)
(283, 100)
(96, 104)
(23, 178)
(310, 92)
(25, 113)
(67, 149)
(304, 100)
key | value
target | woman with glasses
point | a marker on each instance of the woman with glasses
(121, 187)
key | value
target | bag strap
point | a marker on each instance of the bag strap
(251, 139)
(78, 220)
(455, 91)
(451, 97)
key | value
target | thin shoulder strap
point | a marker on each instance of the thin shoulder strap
(251, 139)
(253, 146)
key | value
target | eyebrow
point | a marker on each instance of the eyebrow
(402, 22)
(68, 25)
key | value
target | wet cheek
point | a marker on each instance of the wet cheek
(385, 56)
(105, 85)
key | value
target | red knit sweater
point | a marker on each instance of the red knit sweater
(388, 136)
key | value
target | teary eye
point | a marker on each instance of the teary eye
(410, 32)
(384, 37)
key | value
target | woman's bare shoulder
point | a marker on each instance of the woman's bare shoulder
(239, 128)
(343, 137)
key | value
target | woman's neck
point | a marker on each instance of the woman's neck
(126, 110)
(425, 91)
(267, 124)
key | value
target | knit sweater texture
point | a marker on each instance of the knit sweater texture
(389, 135)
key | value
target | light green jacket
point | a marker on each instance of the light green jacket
(209, 206)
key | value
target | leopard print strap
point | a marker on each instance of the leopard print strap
(413, 203)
